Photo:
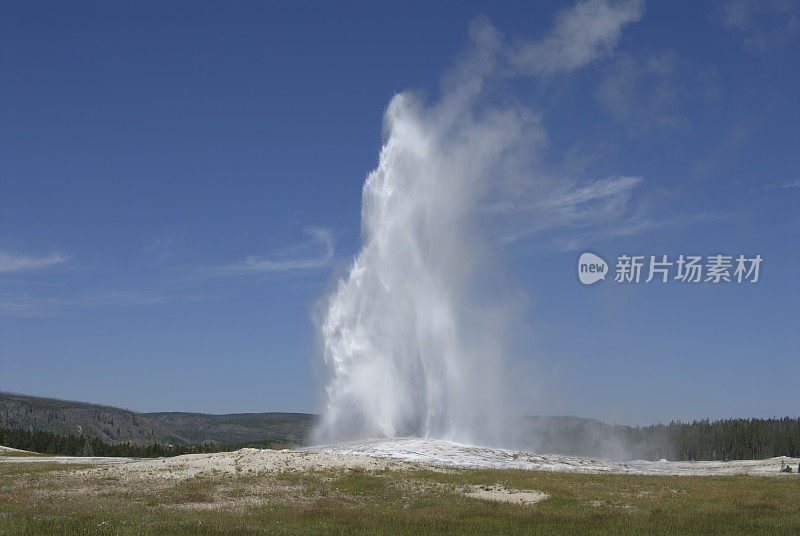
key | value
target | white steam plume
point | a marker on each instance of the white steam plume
(411, 338)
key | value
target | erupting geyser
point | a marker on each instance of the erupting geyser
(405, 343)
(410, 335)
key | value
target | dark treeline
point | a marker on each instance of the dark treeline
(72, 445)
(729, 439)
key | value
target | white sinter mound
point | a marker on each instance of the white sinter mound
(444, 453)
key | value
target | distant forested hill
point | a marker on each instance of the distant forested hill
(236, 427)
(115, 425)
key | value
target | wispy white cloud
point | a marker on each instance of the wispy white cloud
(10, 262)
(629, 226)
(651, 91)
(763, 24)
(27, 306)
(778, 186)
(583, 33)
(522, 200)
(164, 246)
(582, 202)
(567, 204)
(316, 252)
(571, 214)
(779, 179)
(642, 92)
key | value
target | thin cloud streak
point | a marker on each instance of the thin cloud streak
(317, 252)
(632, 226)
(25, 306)
(10, 262)
(570, 205)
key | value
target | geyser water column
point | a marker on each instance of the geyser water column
(406, 348)
(413, 344)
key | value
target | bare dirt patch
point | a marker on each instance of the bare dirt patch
(502, 494)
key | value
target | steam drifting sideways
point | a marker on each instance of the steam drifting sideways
(413, 343)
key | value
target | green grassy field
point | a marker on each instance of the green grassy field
(46, 498)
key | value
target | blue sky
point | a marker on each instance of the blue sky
(180, 183)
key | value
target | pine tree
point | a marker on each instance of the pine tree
(87, 449)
